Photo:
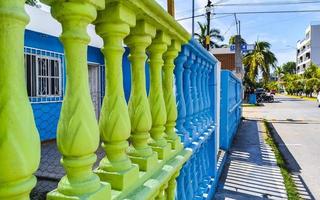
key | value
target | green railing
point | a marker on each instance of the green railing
(143, 152)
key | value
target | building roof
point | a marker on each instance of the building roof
(42, 21)
(223, 50)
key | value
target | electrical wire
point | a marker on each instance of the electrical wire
(254, 12)
(268, 3)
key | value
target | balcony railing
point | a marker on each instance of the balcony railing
(149, 143)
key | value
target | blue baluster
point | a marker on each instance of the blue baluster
(179, 71)
(188, 181)
(187, 95)
(181, 184)
(200, 96)
(194, 96)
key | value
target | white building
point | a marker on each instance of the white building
(308, 49)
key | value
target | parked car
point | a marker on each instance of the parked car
(263, 96)
(318, 99)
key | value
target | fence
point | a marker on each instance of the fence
(231, 111)
(172, 136)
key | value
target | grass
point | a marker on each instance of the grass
(290, 185)
(303, 97)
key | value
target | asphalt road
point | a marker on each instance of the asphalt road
(297, 125)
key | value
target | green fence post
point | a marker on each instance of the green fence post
(141, 121)
(78, 133)
(19, 138)
(156, 100)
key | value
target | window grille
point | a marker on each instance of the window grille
(44, 75)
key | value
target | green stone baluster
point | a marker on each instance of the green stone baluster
(162, 193)
(156, 99)
(141, 121)
(78, 133)
(169, 96)
(19, 138)
(172, 185)
(113, 25)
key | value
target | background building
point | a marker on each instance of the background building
(308, 49)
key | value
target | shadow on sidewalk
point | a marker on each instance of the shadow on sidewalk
(251, 171)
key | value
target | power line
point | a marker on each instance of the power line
(254, 12)
(268, 3)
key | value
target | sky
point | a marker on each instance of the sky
(282, 31)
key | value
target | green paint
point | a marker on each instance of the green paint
(156, 99)
(113, 25)
(78, 132)
(19, 138)
(138, 41)
(169, 96)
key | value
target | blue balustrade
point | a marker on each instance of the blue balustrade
(196, 115)
(231, 111)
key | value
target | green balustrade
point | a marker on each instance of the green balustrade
(19, 138)
(78, 132)
(113, 25)
(139, 110)
(156, 100)
(145, 169)
(169, 96)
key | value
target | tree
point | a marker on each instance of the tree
(279, 72)
(261, 59)
(289, 68)
(215, 34)
(232, 40)
(32, 2)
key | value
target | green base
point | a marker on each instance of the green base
(176, 144)
(119, 180)
(164, 153)
(103, 193)
(147, 163)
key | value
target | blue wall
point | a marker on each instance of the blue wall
(231, 111)
(47, 113)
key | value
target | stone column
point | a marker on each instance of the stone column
(187, 95)
(156, 100)
(200, 95)
(19, 138)
(194, 97)
(179, 70)
(141, 121)
(113, 25)
(78, 132)
(169, 96)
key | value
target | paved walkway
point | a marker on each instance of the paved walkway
(296, 123)
(251, 171)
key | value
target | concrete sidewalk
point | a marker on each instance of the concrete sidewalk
(251, 171)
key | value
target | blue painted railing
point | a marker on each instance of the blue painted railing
(231, 111)
(196, 123)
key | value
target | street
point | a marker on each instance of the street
(297, 124)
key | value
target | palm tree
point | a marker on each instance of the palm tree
(279, 72)
(232, 40)
(214, 34)
(260, 60)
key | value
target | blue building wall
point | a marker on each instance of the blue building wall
(46, 113)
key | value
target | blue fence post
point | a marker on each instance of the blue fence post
(187, 94)
(194, 95)
(179, 71)
(200, 96)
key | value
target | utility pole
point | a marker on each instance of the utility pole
(192, 18)
(238, 53)
(208, 11)
(170, 6)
